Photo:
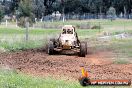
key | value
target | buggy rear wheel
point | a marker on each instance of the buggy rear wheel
(50, 48)
(83, 49)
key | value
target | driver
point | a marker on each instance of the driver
(64, 31)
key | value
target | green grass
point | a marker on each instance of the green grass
(11, 79)
(23, 45)
(5, 30)
(95, 21)
(121, 61)
(14, 39)
(105, 24)
(123, 47)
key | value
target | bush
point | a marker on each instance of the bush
(22, 23)
(84, 26)
(111, 13)
(96, 27)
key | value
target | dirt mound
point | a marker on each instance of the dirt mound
(37, 62)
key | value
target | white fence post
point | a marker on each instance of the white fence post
(16, 23)
(6, 23)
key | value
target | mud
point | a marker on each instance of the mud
(36, 62)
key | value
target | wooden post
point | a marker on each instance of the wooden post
(16, 23)
(124, 27)
(27, 28)
(27, 32)
(99, 27)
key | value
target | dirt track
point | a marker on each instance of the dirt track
(37, 62)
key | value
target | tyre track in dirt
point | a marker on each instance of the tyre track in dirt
(36, 62)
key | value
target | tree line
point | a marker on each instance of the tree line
(45, 7)
(40, 8)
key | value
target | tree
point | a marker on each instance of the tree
(48, 6)
(1, 13)
(38, 8)
(25, 8)
(25, 12)
(15, 4)
(111, 13)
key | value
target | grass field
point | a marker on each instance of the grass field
(11, 79)
(13, 39)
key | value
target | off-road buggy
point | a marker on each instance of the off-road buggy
(68, 40)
